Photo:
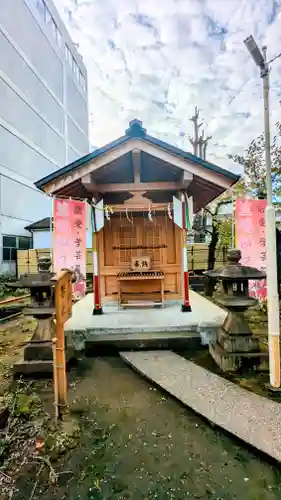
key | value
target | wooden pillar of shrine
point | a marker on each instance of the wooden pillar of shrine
(186, 307)
(96, 278)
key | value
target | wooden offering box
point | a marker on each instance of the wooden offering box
(142, 286)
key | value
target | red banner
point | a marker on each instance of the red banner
(69, 243)
(250, 239)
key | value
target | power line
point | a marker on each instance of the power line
(274, 58)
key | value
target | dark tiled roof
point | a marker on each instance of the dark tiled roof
(135, 131)
(40, 224)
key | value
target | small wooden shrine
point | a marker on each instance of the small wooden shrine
(141, 251)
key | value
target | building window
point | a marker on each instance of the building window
(59, 38)
(75, 68)
(48, 17)
(82, 80)
(24, 243)
(40, 4)
(68, 55)
(9, 248)
(13, 243)
(50, 22)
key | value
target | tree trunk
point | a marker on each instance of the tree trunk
(212, 248)
(211, 282)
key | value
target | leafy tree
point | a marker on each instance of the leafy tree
(255, 176)
(253, 162)
(253, 183)
(220, 231)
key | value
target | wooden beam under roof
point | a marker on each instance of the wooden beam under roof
(93, 187)
(136, 158)
(139, 187)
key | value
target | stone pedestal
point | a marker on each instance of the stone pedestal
(236, 347)
(237, 351)
(234, 361)
(38, 353)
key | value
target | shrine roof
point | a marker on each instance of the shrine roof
(41, 224)
(136, 131)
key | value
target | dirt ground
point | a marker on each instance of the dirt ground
(137, 443)
(124, 439)
(13, 336)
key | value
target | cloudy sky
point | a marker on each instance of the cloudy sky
(156, 59)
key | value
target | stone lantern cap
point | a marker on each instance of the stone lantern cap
(42, 279)
(235, 271)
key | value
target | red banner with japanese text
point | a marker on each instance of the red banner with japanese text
(250, 239)
(69, 240)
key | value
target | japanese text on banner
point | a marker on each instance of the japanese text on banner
(70, 240)
(250, 238)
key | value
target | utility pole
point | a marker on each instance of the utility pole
(270, 223)
(272, 286)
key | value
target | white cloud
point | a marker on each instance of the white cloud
(156, 60)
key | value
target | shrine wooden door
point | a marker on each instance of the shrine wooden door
(121, 240)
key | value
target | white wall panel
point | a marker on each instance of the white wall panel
(23, 202)
(20, 158)
(42, 239)
(76, 138)
(72, 155)
(16, 112)
(19, 22)
(22, 76)
(14, 226)
(76, 104)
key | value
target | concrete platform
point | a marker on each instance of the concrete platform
(252, 418)
(142, 326)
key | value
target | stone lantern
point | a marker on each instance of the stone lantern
(236, 346)
(38, 354)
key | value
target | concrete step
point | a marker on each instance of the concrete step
(142, 340)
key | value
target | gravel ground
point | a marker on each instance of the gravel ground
(137, 443)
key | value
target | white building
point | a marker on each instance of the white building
(43, 114)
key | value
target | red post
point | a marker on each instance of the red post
(186, 307)
(96, 279)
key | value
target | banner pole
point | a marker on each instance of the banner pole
(52, 233)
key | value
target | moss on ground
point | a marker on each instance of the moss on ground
(134, 442)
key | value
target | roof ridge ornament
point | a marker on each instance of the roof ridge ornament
(135, 129)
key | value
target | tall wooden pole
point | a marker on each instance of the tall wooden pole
(63, 307)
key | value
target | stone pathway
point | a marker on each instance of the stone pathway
(252, 418)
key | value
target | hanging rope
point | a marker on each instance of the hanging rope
(93, 220)
(149, 216)
(170, 211)
(127, 215)
(108, 211)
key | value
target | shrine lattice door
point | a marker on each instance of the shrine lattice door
(121, 240)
